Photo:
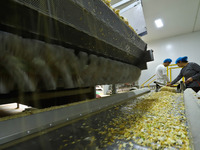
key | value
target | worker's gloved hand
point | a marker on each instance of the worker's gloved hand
(189, 80)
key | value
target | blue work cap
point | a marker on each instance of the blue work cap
(167, 60)
(185, 58)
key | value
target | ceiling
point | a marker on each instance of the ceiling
(179, 17)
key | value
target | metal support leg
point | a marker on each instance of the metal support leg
(157, 86)
(113, 89)
(17, 106)
(182, 86)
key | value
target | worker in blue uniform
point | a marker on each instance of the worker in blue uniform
(191, 72)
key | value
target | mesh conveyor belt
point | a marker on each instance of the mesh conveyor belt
(88, 26)
(29, 64)
(79, 43)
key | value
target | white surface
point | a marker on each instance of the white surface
(11, 109)
(185, 45)
(192, 110)
(179, 17)
(105, 89)
(198, 93)
(197, 23)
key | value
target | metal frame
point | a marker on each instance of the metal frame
(26, 125)
(169, 68)
(148, 80)
(93, 28)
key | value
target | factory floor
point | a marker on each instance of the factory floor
(11, 109)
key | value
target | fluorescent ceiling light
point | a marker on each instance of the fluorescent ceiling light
(159, 23)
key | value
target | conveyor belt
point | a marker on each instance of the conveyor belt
(83, 134)
(98, 131)
(37, 120)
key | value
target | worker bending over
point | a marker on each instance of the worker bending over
(191, 72)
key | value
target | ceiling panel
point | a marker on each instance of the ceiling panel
(178, 17)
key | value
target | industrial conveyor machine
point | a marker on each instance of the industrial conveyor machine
(58, 46)
(56, 51)
(17, 131)
(51, 49)
(87, 125)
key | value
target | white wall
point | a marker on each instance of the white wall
(174, 47)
